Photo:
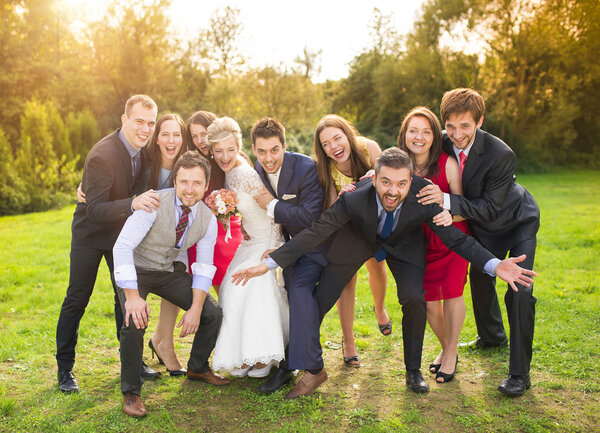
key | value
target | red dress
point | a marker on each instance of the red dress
(224, 251)
(446, 272)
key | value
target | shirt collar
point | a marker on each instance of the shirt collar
(178, 205)
(276, 174)
(132, 152)
(380, 208)
(465, 151)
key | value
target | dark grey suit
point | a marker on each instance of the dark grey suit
(505, 218)
(109, 186)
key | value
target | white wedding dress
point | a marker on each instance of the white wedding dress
(255, 316)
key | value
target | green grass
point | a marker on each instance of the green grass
(565, 396)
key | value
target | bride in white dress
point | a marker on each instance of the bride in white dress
(254, 331)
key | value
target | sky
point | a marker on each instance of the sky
(275, 32)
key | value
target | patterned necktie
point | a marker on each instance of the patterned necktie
(462, 157)
(385, 233)
(182, 224)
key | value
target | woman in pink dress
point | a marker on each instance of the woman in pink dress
(446, 273)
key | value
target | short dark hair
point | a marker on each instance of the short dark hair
(393, 158)
(191, 159)
(268, 127)
(459, 101)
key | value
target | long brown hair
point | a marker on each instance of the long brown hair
(204, 118)
(431, 167)
(154, 149)
(359, 162)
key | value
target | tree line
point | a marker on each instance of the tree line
(63, 87)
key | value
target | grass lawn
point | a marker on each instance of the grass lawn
(565, 396)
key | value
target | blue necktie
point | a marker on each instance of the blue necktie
(385, 233)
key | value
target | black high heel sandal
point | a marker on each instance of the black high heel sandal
(446, 376)
(182, 371)
(434, 368)
(350, 361)
(385, 329)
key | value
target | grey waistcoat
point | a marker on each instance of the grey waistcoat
(157, 251)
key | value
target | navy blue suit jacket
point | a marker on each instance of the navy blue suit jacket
(300, 197)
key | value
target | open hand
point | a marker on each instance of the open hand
(148, 201)
(347, 188)
(245, 274)
(368, 175)
(509, 271)
(443, 219)
(431, 194)
(267, 253)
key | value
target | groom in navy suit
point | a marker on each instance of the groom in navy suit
(294, 198)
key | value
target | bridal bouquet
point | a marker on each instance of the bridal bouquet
(223, 204)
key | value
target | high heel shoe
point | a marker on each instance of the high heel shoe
(385, 329)
(151, 346)
(350, 361)
(446, 376)
(181, 372)
(434, 368)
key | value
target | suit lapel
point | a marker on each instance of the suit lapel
(125, 161)
(285, 175)
(373, 217)
(474, 159)
(265, 179)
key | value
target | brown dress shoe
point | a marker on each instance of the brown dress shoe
(307, 384)
(133, 406)
(209, 377)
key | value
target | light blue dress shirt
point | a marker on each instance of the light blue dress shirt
(137, 227)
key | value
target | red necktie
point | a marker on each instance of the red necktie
(182, 224)
(462, 157)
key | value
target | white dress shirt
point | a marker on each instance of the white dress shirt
(137, 227)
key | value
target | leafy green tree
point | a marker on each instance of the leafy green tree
(48, 180)
(13, 197)
(83, 133)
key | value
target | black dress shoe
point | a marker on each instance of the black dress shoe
(415, 381)
(275, 382)
(480, 343)
(149, 373)
(67, 382)
(515, 385)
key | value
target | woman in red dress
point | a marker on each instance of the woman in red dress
(446, 272)
(224, 249)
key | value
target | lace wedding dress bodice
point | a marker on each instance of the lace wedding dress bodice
(255, 316)
(246, 183)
